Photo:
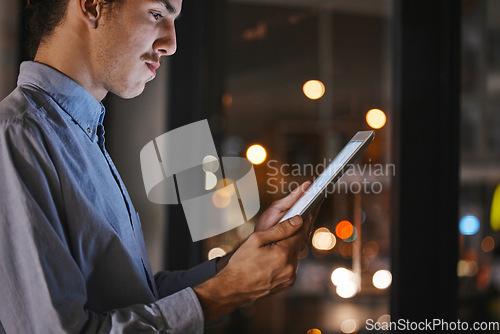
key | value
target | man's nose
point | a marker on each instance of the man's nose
(166, 44)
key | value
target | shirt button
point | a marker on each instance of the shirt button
(90, 131)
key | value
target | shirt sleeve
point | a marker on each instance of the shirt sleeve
(42, 288)
(168, 283)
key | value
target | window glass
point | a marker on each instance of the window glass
(273, 48)
(479, 262)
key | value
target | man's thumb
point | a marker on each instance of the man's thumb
(281, 230)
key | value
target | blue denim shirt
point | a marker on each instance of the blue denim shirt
(72, 254)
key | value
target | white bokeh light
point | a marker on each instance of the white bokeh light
(323, 239)
(256, 154)
(347, 289)
(216, 252)
(382, 279)
(349, 326)
(342, 275)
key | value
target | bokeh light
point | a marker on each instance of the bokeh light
(363, 216)
(467, 268)
(323, 239)
(349, 326)
(376, 118)
(256, 154)
(216, 252)
(495, 210)
(227, 100)
(345, 249)
(483, 277)
(345, 281)
(344, 229)
(382, 279)
(353, 236)
(370, 249)
(222, 197)
(469, 225)
(313, 331)
(488, 244)
(384, 319)
(342, 275)
(314, 89)
(347, 289)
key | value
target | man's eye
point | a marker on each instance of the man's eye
(156, 16)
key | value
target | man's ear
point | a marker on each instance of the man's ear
(91, 10)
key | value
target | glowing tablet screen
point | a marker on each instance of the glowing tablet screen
(319, 185)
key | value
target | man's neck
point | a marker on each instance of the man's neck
(69, 59)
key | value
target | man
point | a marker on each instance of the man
(72, 255)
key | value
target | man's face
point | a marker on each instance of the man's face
(129, 41)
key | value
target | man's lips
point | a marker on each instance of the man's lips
(153, 66)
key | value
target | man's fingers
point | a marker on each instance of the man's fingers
(279, 208)
(287, 202)
(279, 231)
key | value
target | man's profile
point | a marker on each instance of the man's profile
(72, 254)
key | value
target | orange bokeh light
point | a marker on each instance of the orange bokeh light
(344, 229)
(313, 89)
(488, 244)
(376, 118)
(313, 331)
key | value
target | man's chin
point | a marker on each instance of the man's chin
(131, 93)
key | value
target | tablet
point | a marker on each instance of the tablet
(331, 174)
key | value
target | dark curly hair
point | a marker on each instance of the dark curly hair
(42, 17)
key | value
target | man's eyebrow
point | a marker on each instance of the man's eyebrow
(171, 9)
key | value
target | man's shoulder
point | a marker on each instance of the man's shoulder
(22, 115)
(21, 103)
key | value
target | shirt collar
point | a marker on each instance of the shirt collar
(78, 103)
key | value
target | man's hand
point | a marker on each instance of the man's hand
(279, 208)
(273, 214)
(265, 263)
